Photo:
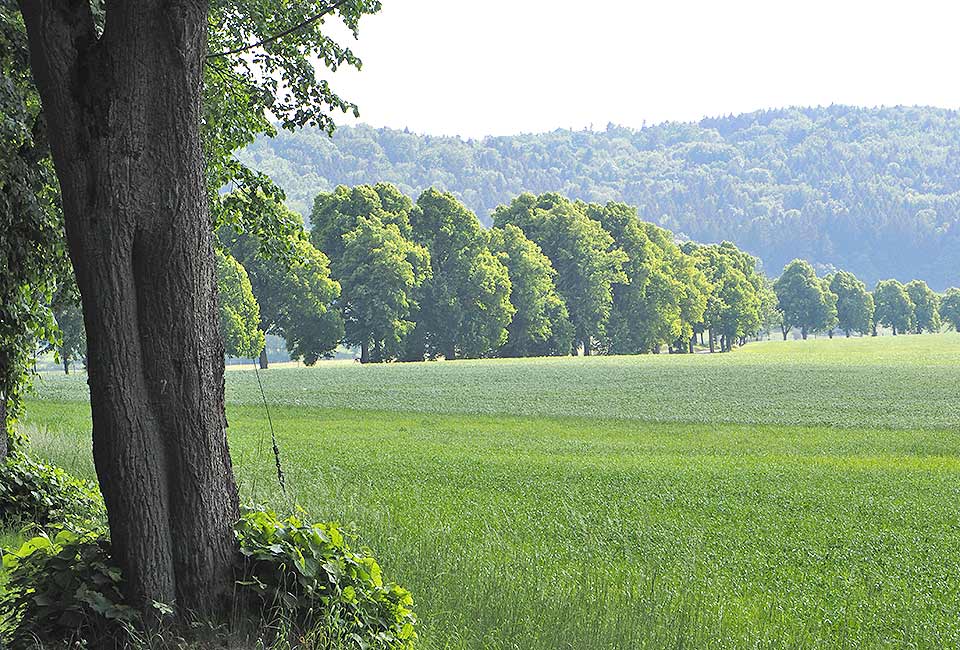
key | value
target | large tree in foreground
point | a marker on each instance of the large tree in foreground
(123, 103)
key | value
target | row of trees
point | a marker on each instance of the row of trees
(841, 301)
(409, 281)
(551, 277)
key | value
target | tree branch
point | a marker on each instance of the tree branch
(275, 37)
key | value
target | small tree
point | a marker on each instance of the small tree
(586, 259)
(541, 325)
(892, 306)
(71, 340)
(854, 303)
(378, 270)
(805, 300)
(926, 306)
(950, 308)
(239, 311)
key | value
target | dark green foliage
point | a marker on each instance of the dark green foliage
(541, 325)
(464, 306)
(585, 256)
(64, 589)
(31, 229)
(32, 491)
(854, 303)
(892, 306)
(308, 576)
(926, 306)
(874, 191)
(805, 301)
(950, 308)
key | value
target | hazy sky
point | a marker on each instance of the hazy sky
(503, 67)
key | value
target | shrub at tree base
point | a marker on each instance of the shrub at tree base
(31, 491)
(309, 585)
(64, 589)
(307, 577)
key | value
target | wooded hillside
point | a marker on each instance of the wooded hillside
(872, 191)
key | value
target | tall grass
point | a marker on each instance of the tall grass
(753, 522)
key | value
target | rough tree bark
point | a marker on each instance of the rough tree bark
(364, 352)
(123, 115)
(263, 359)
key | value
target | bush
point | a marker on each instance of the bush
(307, 577)
(31, 491)
(64, 588)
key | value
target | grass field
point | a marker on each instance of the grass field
(787, 495)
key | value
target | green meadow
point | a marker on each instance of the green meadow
(787, 495)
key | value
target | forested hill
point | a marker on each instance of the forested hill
(873, 191)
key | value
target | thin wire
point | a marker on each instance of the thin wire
(256, 465)
(273, 435)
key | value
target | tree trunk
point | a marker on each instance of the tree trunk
(586, 346)
(692, 339)
(712, 341)
(364, 351)
(66, 365)
(847, 333)
(830, 334)
(123, 115)
(803, 333)
(894, 329)
(785, 330)
(264, 362)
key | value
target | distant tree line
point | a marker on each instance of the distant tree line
(839, 301)
(405, 281)
(872, 191)
(410, 281)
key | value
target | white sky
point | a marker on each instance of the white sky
(503, 67)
